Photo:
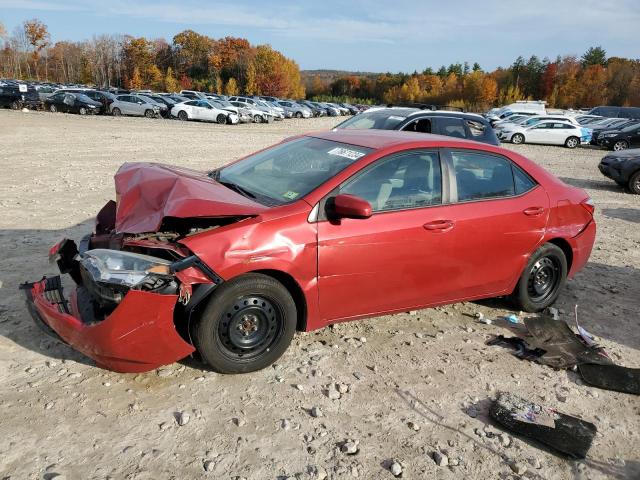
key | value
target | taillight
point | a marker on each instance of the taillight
(588, 204)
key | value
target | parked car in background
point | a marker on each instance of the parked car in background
(258, 115)
(202, 110)
(547, 133)
(293, 109)
(69, 102)
(624, 168)
(243, 114)
(164, 108)
(45, 91)
(620, 139)
(613, 112)
(532, 107)
(316, 110)
(330, 109)
(352, 109)
(308, 229)
(17, 95)
(133, 105)
(597, 132)
(104, 98)
(452, 124)
(526, 121)
(193, 94)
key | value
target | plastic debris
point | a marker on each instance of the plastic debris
(568, 435)
(512, 319)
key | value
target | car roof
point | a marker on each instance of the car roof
(378, 139)
(412, 111)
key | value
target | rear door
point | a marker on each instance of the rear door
(540, 133)
(499, 215)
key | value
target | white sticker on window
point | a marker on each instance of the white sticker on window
(346, 153)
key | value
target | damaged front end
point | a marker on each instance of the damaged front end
(129, 311)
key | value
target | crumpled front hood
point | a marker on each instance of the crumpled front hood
(149, 192)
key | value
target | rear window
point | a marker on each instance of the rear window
(377, 120)
(452, 127)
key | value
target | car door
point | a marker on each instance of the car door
(539, 133)
(125, 104)
(206, 111)
(390, 261)
(499, 215)
(634, 137)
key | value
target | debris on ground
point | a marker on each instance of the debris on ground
(568, 435)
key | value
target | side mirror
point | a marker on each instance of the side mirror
(349, 206)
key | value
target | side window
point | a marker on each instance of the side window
(422, 125)
(480, 176)
(452, 127)
(191, 103)
(523, 182)
(476, 128)
(410, 180)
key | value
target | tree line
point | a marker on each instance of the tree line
(567, 82)
(227, 65)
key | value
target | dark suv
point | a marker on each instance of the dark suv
(624, 168)
(616, 112)
(17, 96)
(452, 124)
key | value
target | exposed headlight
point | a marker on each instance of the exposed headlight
(124, 268)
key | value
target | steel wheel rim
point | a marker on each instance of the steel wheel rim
(249, 327)
(544, 278)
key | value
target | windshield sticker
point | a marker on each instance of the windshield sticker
(290, 195)
(346, 153)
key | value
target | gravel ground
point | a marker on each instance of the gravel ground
(404, 394)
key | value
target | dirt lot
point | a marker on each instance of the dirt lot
(63, 417)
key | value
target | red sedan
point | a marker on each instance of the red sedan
(318, 229)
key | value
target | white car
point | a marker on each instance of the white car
(526, 121)
(548, 133)
(258, 115)
(202, 110)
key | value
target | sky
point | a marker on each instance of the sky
(360, 35)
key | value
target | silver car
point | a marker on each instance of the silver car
(133, 105)
(295, 109)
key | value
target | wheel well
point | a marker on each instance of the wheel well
(296, 292)
(566, 249)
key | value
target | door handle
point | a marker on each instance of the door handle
(533, 211)
(439, 225)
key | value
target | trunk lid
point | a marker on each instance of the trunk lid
(147, 193)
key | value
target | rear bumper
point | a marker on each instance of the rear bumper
(138, 336)
(582, 244)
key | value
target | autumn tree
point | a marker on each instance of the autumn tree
(170, 82)
(231, 88)
(135, 82)
(192, 50)
(251, 87)
(38, 37)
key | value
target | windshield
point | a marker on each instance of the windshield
(289, 171)
(630, 128)
(378, 120)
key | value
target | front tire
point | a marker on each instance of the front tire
(82, 111)
(298, 114)
(258, 119)
(149, 113)
(517, 138)
(247, 325)
(620, 145)
(221, 119)
(116, 112)
(634, 183)
(15, 105)
(572, 142)
(542, 279)
(53, 108)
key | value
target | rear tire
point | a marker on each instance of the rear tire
(247, 324)
(53, 108)
(620, 145)
(572, 142)
(15, 105)
(221, 119)
(298, 114)
(82, 111)
(634, 183)
(116, 112)
(542, 279)
(517, 138)
(182, 115)
(258, 119)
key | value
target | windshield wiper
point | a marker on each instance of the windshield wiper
(237, 188)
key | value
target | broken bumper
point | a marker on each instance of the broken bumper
(138, 336)
(582, 244)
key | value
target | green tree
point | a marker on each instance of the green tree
(594, 56)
